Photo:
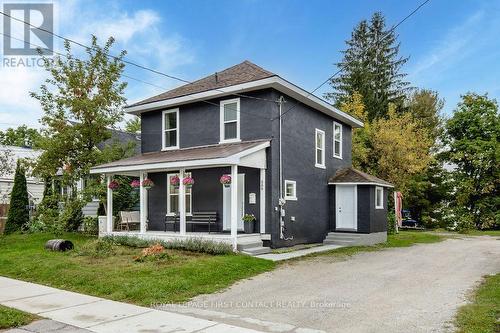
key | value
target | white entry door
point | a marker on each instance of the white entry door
(226, 217)
(346, 207)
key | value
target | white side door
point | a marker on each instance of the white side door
(346, 207)
(226, 194)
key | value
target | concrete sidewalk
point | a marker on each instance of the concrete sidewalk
(298, 253)
(100, 315)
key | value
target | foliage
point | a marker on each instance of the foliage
(117, 277)
(391, 223)
(155, 252)
(133, 125)
(6, 162)
(89, 94)
(10, 318)
(481, 315)
(425, 106)
(472, 145)
(90, 225)
(71, 216)
(22, 136)
(189, 244)
(19, 203)
(96, 248)
(249, 218)
(372, 67)
(46, 218)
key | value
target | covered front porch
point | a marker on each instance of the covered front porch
(206, 209)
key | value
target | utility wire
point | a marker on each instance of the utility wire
(340, 70)
(132, 63)
(124, 75)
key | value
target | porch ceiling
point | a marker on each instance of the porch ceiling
(204, 156)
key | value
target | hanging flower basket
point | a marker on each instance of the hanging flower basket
(135, 183)
(225, 180)
(174, 181)
(188, 181)
(147, 183)
(113, 185)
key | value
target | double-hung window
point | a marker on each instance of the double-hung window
(337, 140)
(320, 148)
(290, 190)
(173, 196)
(230, 120)
(170, 129)
(379, 197)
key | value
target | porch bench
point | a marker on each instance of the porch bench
(198, 218)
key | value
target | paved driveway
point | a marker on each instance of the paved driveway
(414, 289)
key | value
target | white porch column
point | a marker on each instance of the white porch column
(262, 201)
(142, 203)
(109, 204)
(234, 205)
(182, 203)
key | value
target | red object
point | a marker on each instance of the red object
(399, 208)
(113, 185)
(174, 180)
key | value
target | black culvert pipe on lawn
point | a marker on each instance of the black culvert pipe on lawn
(59, 245)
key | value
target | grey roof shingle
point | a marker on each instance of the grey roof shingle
(238, 74)
(351, 175)
(185, 154)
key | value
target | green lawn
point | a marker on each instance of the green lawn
(119, 277)
(482, 315)
(14, 318)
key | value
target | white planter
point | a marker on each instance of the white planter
(103, 224)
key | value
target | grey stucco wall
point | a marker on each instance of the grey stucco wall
(379, 216)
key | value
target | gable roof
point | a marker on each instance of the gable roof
(237, 74)
(350, 175)
(236, 80)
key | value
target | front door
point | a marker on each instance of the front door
(346, 207)
(226, 217)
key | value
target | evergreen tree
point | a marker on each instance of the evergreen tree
(19, 203)
(371, 66)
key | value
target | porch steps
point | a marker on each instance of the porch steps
(253, 247)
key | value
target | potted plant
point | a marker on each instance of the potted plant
(135, 183)
(249, 223)
(188, 181)
(113, 185)
(147, 183)
(225, 180)
(174, 181)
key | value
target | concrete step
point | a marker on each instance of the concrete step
(248, 245)
(253, 251)
(340, 242)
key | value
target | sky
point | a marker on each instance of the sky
(453, 46)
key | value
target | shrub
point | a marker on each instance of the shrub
(72, 216)
(19, 203)
(391, 223)
(97, 248)
(153, 253)
(91, 226)
(189, 244)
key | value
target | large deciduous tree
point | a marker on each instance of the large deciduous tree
(22, 136)
(472, 145)
(80, 100)
(371, 66)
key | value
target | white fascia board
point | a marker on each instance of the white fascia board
(275, 82)
(361, 183)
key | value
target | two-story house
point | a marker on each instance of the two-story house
(287, 152)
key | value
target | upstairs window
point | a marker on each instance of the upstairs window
(230, 120)
(379, 197)
(337, 140)
(320, 148)
(170, 129)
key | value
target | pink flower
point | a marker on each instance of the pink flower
(135, 183)
(174, 180)
(147, 183)
(188, 181)
(113, 185)
(225, 179)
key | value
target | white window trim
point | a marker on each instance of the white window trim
(169, 209)
(316, 164)
(221, 122)
(339, 155)
(163, 130)
(377, 189)
(294, 197)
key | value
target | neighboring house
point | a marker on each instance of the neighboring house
(35, 185)
(293, 174)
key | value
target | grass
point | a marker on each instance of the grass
(403, 239)
(10, 318)
(118, 277)
(482, 315)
